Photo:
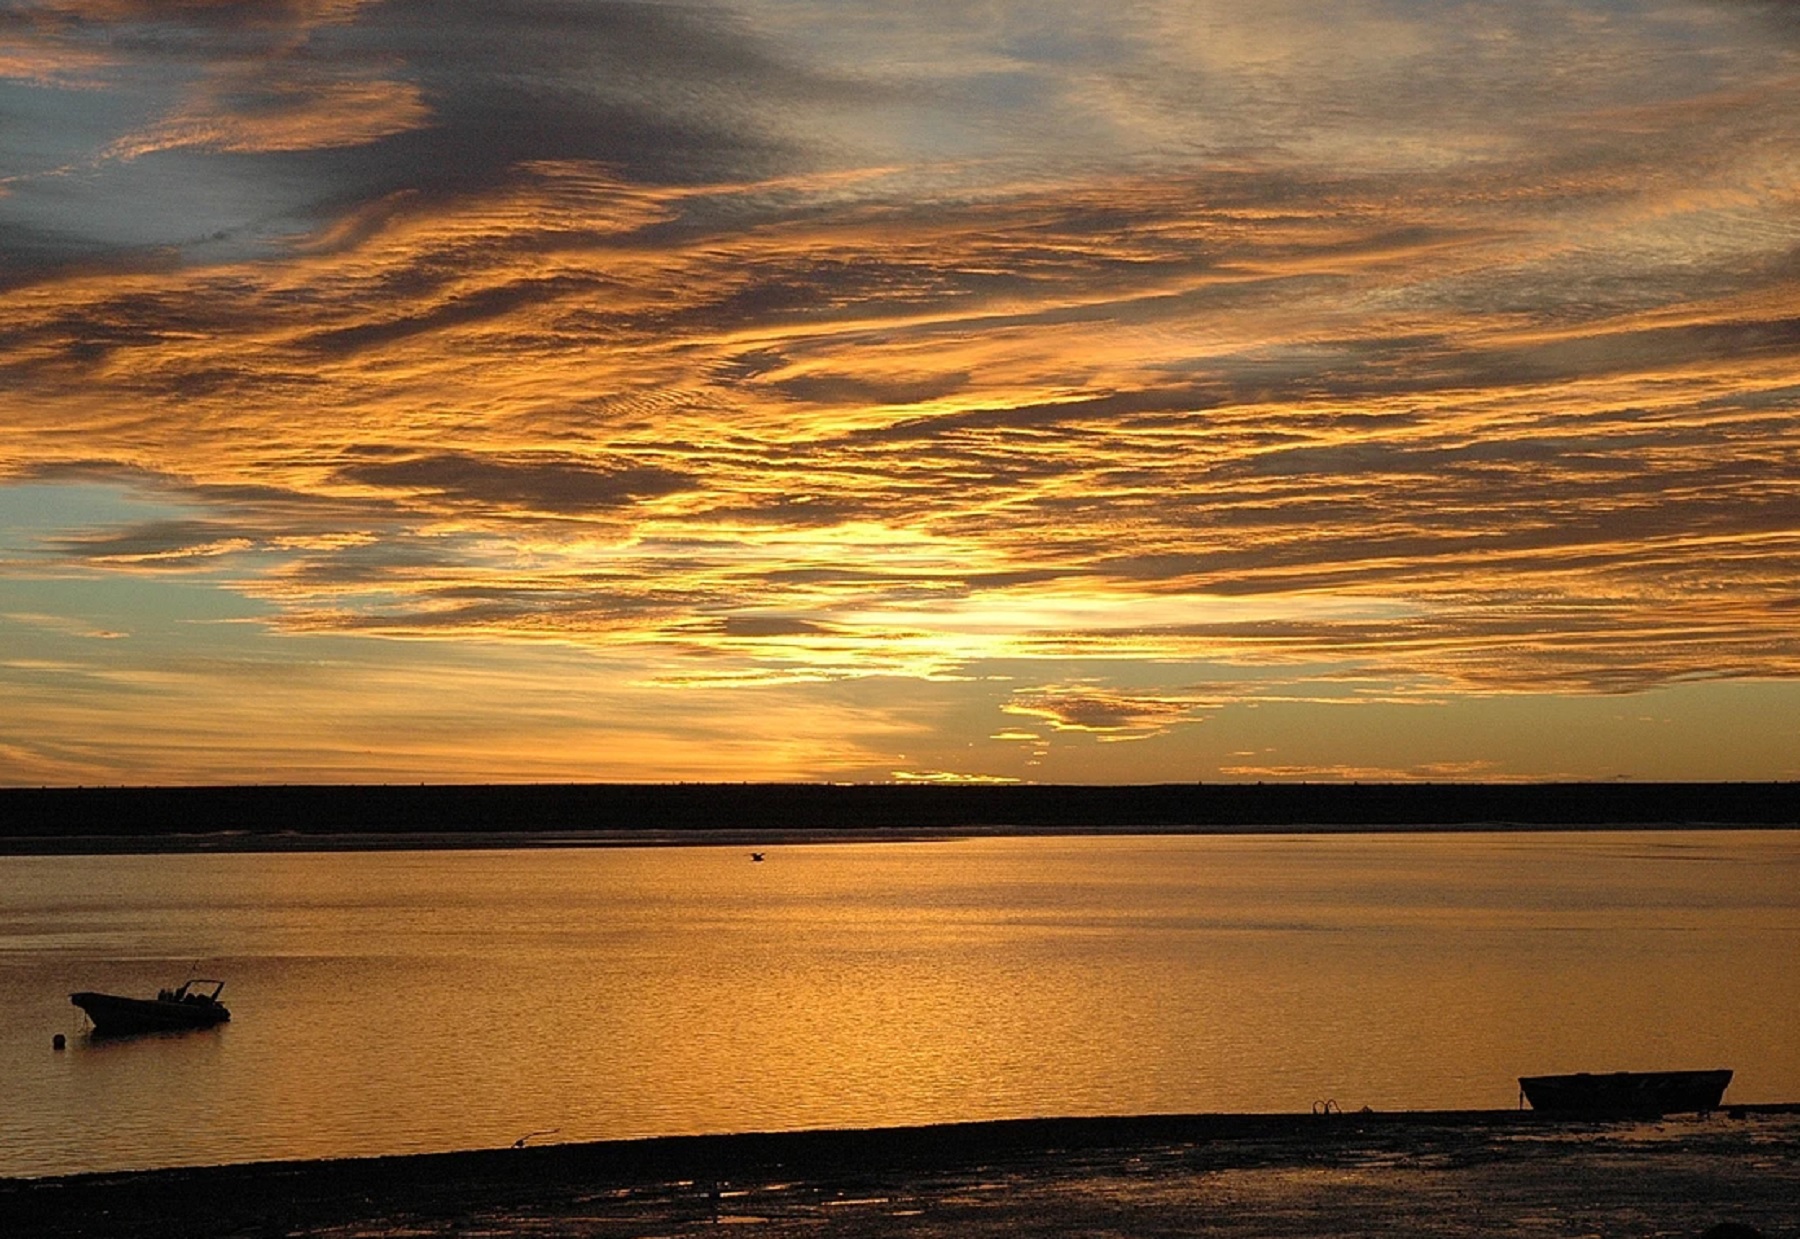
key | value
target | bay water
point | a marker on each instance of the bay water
(392, 1002)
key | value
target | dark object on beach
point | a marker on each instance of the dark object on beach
(185, 1007)
(1626, 1094)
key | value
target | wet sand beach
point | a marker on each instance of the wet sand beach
(1445, 1173)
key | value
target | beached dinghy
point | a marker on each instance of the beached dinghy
(1634, 1094)
(189, 1006)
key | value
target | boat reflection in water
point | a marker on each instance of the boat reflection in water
(1626, 1094)
(190, 1005)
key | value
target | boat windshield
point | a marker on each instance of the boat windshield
(194, 990)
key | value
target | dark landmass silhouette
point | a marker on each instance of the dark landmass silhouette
(304, 817)
(1459, 1175)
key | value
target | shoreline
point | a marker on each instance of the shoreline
(321, 817)
(1002, 1176)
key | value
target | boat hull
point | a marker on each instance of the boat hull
(1626, 1094)
(116, 1016)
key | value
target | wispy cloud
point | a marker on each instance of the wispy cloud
(1437, 772)
(758, 352)
(1106, 712)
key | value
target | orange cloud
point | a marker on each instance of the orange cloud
(289, 116)
(1371, 413)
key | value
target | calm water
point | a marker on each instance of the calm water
(395, 1002)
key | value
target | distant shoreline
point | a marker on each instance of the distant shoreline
(322, 817)
(243, 842)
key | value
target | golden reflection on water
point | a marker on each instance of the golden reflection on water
(400, 1001)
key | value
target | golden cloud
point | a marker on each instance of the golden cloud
(295, 115)
(1406, 428)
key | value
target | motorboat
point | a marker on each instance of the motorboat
(189, 1005)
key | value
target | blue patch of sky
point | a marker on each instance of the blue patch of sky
(34, 514)
(39, 582)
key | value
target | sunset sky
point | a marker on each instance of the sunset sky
(863, 390)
